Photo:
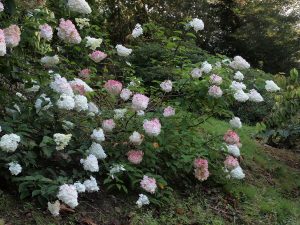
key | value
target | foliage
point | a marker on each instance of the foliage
(282, 126)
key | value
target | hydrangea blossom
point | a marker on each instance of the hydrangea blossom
(108, 125)
(85, 73)
(235, 122)
(61, 140)
(123, 51)
(90, 163)
(65, 102)
(140, 102)
(136, 138)
(15, 168)
(61, 85)
(1, 7)
(237, 173)
(80, 188)
(9, 142)
(215, 79)
(143, 200)
(80, 6)
(169, 111)
(197, 24)
(97, 150)
(196, 73)
(125, 94)
(42, 100)
(50, 61)
(46, 32)
(271, 86)
(34, 88)
(254, 96)
(80, 83)
(138, 31)
(239, 63)
(152, 127)
(93, 43)
(2, 43)
(91, 185)
(68, 195)
(97, 56)
(215, 91)
(148, 184)
(81, 103)
(233, 150)
(116, 169)
(67, 32)
(166, 86)
(241, 96)
(231, 137)
(237, 85)
(206, 67)
(98, 135)
(135, 157)
(119, 113)
(93, 109)
(54, 208)
(140, 113)
(12, 36)
(231, 162)
(82, 22)
(201, 169)
(113, 87)
(238, 76)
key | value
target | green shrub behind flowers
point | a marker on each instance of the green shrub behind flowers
(52, 127)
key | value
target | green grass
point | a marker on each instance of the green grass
(268, 195)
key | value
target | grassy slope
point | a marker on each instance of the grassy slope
(269, 195)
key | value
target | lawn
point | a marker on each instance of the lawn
(270, 194)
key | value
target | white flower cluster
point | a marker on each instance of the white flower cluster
(93, 109)
(238, 76)
(9, 142)
(97, 150)
(15, 168)
(138, 31)
(98, 135)
(91, 185)
(143, 200)
(81, 103)
(119, 113)
(136, 138)
(237, 173)
(82, 22)
(80, 6)
(271, 86)
(239, 63)
(123, 51)
(61, 85)
(233, 150)
(68, 194)
(93, 43)
(241, 96)
(54, 208)
(235, 122)
(90, 163)
(254, 96)
(61, 140)
(197, 24)
(42, 103)
(50, 61)
(66, 102)
(80, 188)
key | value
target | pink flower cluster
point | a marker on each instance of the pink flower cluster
(135, 157)
(230, 163)
(231, 138)
(12, 36)
(148, 184)
(97, 56)
(215, 91)
(67, 32)
(169, 111)
(2, 43)
(113, 87)
(201, 169)
(152, 127)
(140, 102)
(78, 88)
(85, 73)
(46, 32)
(215, 79)
(108, 125)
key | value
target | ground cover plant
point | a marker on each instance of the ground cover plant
(80, 113)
